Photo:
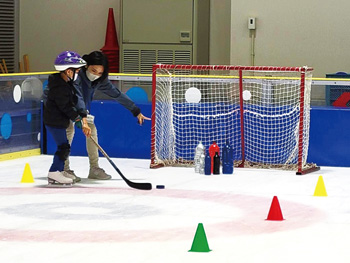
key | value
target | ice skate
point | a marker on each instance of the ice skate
(98, 173)
(57, 179)
(70, 174)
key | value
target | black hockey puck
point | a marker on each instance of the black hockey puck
(160, 186)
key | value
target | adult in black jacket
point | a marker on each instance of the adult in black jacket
(60, 109)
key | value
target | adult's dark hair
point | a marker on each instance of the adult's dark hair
(98, 58)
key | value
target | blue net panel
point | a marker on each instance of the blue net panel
(275, 143)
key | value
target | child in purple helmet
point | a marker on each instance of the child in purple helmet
(60, 109)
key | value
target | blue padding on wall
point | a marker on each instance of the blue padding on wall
(118, 131)
(119, 134)
(329, 136)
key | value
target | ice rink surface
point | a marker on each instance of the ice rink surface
(106, 221)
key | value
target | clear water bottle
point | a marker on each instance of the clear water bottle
(201, 163)
(227, 159)
(197, 155)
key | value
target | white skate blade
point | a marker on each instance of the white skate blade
(54, 184)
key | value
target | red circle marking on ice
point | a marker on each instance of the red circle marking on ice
(251, 222)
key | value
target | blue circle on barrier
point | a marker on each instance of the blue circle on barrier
(137, 94)
(45, 83)
(29, 117)
(6, 126)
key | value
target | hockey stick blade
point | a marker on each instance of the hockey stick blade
(140, 186)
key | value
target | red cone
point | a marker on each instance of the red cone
(275, 212)
(111, 47)
(111, 41)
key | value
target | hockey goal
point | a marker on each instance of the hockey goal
(264, 112)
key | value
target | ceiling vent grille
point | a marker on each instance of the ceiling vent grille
(141, 60)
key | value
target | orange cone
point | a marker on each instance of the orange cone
(275, 212)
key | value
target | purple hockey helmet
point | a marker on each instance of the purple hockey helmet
(68, 59)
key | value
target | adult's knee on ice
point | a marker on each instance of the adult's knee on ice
(63, 151)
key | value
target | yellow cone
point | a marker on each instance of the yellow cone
(27, 176)
(320, 188)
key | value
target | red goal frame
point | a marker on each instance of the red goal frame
(240, 69)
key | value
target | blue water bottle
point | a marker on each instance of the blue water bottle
(227, 159)
(207, 164)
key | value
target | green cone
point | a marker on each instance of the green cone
(200, 243)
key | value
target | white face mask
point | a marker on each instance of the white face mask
(75, 76)
(91, 76)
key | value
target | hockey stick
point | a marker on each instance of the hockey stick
(140, 186)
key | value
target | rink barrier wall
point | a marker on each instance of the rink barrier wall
(121, 136)
(20, 114)
(329, 136)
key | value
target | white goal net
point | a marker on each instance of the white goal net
(264, 112)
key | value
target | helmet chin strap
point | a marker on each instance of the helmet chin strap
(69, 78)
